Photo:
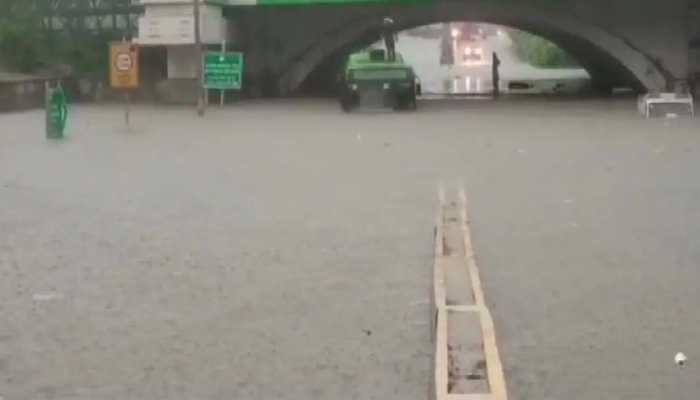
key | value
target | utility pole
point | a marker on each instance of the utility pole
(198, 55)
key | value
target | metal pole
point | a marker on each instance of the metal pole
(126, 95)
(47, 106)
(127, 107)
(223, 50)
(198, 55)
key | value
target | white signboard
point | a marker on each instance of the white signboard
(179, 30)
(166, 30)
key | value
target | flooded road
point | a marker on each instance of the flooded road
(424, 55)
(283, 249)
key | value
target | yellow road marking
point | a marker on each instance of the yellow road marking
(475, 396)
(465, 308)
(441, 362)
(494, 367)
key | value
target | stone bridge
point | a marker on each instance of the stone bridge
(644, 44)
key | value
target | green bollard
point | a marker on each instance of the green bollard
(56, 112)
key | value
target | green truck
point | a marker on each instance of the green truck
(371, 78)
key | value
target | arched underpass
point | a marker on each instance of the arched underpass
(610, 59)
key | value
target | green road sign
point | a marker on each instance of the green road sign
(223, 70)
(57, 114)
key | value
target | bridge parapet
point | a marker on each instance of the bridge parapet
(625, 42)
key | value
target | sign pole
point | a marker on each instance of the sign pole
(124, 72)
(127, 107)
(200, 61)
(47, 104)
(126, 95)
(223, 50)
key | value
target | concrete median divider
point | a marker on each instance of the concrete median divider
(467, 365)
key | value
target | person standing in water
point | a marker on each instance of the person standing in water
(495, 63)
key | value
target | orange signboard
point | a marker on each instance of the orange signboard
(124, 66)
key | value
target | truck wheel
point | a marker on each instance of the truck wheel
(402, 103)
(345, 105)
(398, 103)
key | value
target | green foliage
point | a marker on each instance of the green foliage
(26, 46)
(541, 52)
(19, 35)
(19, 47)
(87, 56)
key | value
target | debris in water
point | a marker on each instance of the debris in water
(681, 359)
(47, 296)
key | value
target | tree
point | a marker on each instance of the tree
(75, 33)
(541, 52)
(20, 34)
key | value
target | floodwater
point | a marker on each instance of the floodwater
(283, 249)
(424, 55)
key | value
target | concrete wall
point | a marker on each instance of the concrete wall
(623, 42)
(182, 63)
(17, 95)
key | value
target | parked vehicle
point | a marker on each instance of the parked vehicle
(369, 78)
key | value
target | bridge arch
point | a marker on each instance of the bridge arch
(609, 58)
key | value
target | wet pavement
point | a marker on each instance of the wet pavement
(282, 249)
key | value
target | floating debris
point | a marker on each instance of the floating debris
(49, 296)
(681, 359)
